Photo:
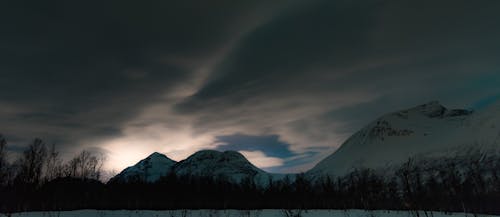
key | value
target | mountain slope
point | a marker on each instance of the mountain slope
(229, 164)
(429, 130)
(207, 163)
(149, 169)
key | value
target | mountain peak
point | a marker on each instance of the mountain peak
(157, 155)
(213, 154)
(229, 164)
(431, 109)
(148, 169)
(217, 159)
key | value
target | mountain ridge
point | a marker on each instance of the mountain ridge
(231, 165)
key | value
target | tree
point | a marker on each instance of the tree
(85, 166)
(32, 162)
(3, 160)
(54, 166)
(410, 178)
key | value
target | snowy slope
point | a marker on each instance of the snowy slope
(230, 164)
(230, 213)
(428, 130)
(206, 163)
(149, 169)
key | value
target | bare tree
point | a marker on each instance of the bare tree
(409, 177)
(54, 165)
(3, 160)
(32, 162)
(85, 165)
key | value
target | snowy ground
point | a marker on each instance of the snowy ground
(229, 213)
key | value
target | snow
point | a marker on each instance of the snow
(205, 163)
(149, 169)
(428, 130)
(230, 164)
(228, 213)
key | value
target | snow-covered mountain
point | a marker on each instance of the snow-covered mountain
(206, 163)
(149, 169)
(229, 164)
(429, 130)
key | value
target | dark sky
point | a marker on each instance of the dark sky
(285, 82)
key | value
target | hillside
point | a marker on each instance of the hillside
(429, 130)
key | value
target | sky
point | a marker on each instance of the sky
(283, 82)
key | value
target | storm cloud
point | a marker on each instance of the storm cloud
(283, 81)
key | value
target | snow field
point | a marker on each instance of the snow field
(231, 213)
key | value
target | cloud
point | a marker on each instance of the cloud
(77, 79)
(293, 78)
(260, 160)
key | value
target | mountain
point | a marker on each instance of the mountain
(149, 169)
(429, 130)
(206, 163)
(229, 164)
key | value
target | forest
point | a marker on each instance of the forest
(38, 180)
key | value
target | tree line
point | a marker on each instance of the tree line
(39, 166)
(39, 180)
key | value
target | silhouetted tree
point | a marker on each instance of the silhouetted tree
(54, 166)
(85, 165)
(410, 178)
(32, 162)
(3, 161)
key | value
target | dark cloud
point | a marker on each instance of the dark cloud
(232, 72)
(336, 45)
(270, 144)
(389, 48)
(75, 71)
